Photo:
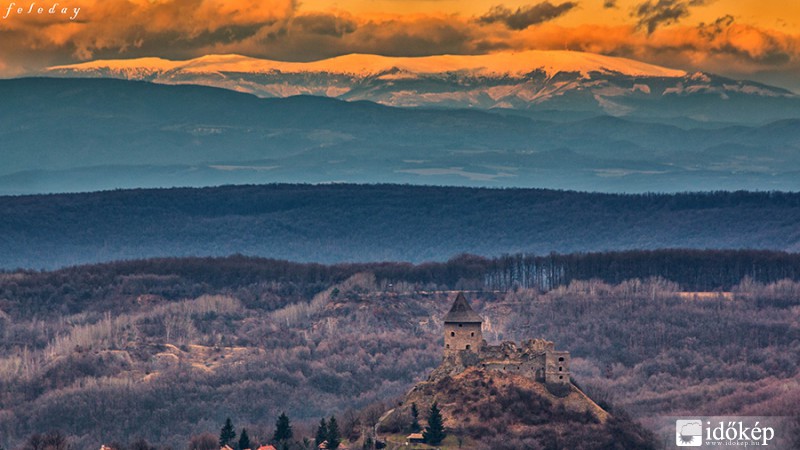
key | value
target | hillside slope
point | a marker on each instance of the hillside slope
(496, 410)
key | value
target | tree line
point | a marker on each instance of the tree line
(693, 270)
(270, 283)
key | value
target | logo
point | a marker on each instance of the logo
(689, 433)
(727, 431)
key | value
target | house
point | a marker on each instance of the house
(324, 446)
(415, 438)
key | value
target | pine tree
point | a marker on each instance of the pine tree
(322, 432)
(334, 438)
(244, 440)
(434, 432)
(415, 428)
(227, 434)
(283, 429)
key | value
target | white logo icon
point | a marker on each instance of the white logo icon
(689, 433)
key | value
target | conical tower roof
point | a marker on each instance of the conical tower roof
(461, 312)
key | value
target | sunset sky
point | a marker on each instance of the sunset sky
(754, 39)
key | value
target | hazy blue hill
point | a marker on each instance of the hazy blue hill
(332, 223)
(68, 135)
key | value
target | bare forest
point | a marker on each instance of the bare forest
(166, 350)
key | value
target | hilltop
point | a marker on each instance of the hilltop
(510, 396)
(499, 410)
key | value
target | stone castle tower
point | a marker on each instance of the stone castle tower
(462, 328)
(536, 359)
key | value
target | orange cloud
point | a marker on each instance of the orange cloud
(722, 46)
(316, 36)
(120, 25)
(274, 29)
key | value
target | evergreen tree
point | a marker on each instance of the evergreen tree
(415, 428)
(368, 444)
(244, 440)
(227, 434)
(434, 432)
(322, 432)
(334, 438)
(283, 429)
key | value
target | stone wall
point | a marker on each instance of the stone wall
(556, 367)
(531, 367)
(536, 359)
(462, 336)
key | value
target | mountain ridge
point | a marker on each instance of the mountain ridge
(525, 81)
(504, 63)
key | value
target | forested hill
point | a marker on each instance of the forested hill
(341, 222)
(167, 349)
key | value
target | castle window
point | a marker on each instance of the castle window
(447, 346)
(452, 333)
(561, 359)
(467, 346)
(460, 325)
(561, 377)
(472, 334)
(560, 369)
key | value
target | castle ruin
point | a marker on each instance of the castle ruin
(535, 358)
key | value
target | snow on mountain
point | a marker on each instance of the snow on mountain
(510, 80)
(502, 64)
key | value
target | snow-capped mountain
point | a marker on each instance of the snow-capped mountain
(524, 81)
(360, 65)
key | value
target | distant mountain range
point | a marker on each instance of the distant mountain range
(531, 81)
(62, 135)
